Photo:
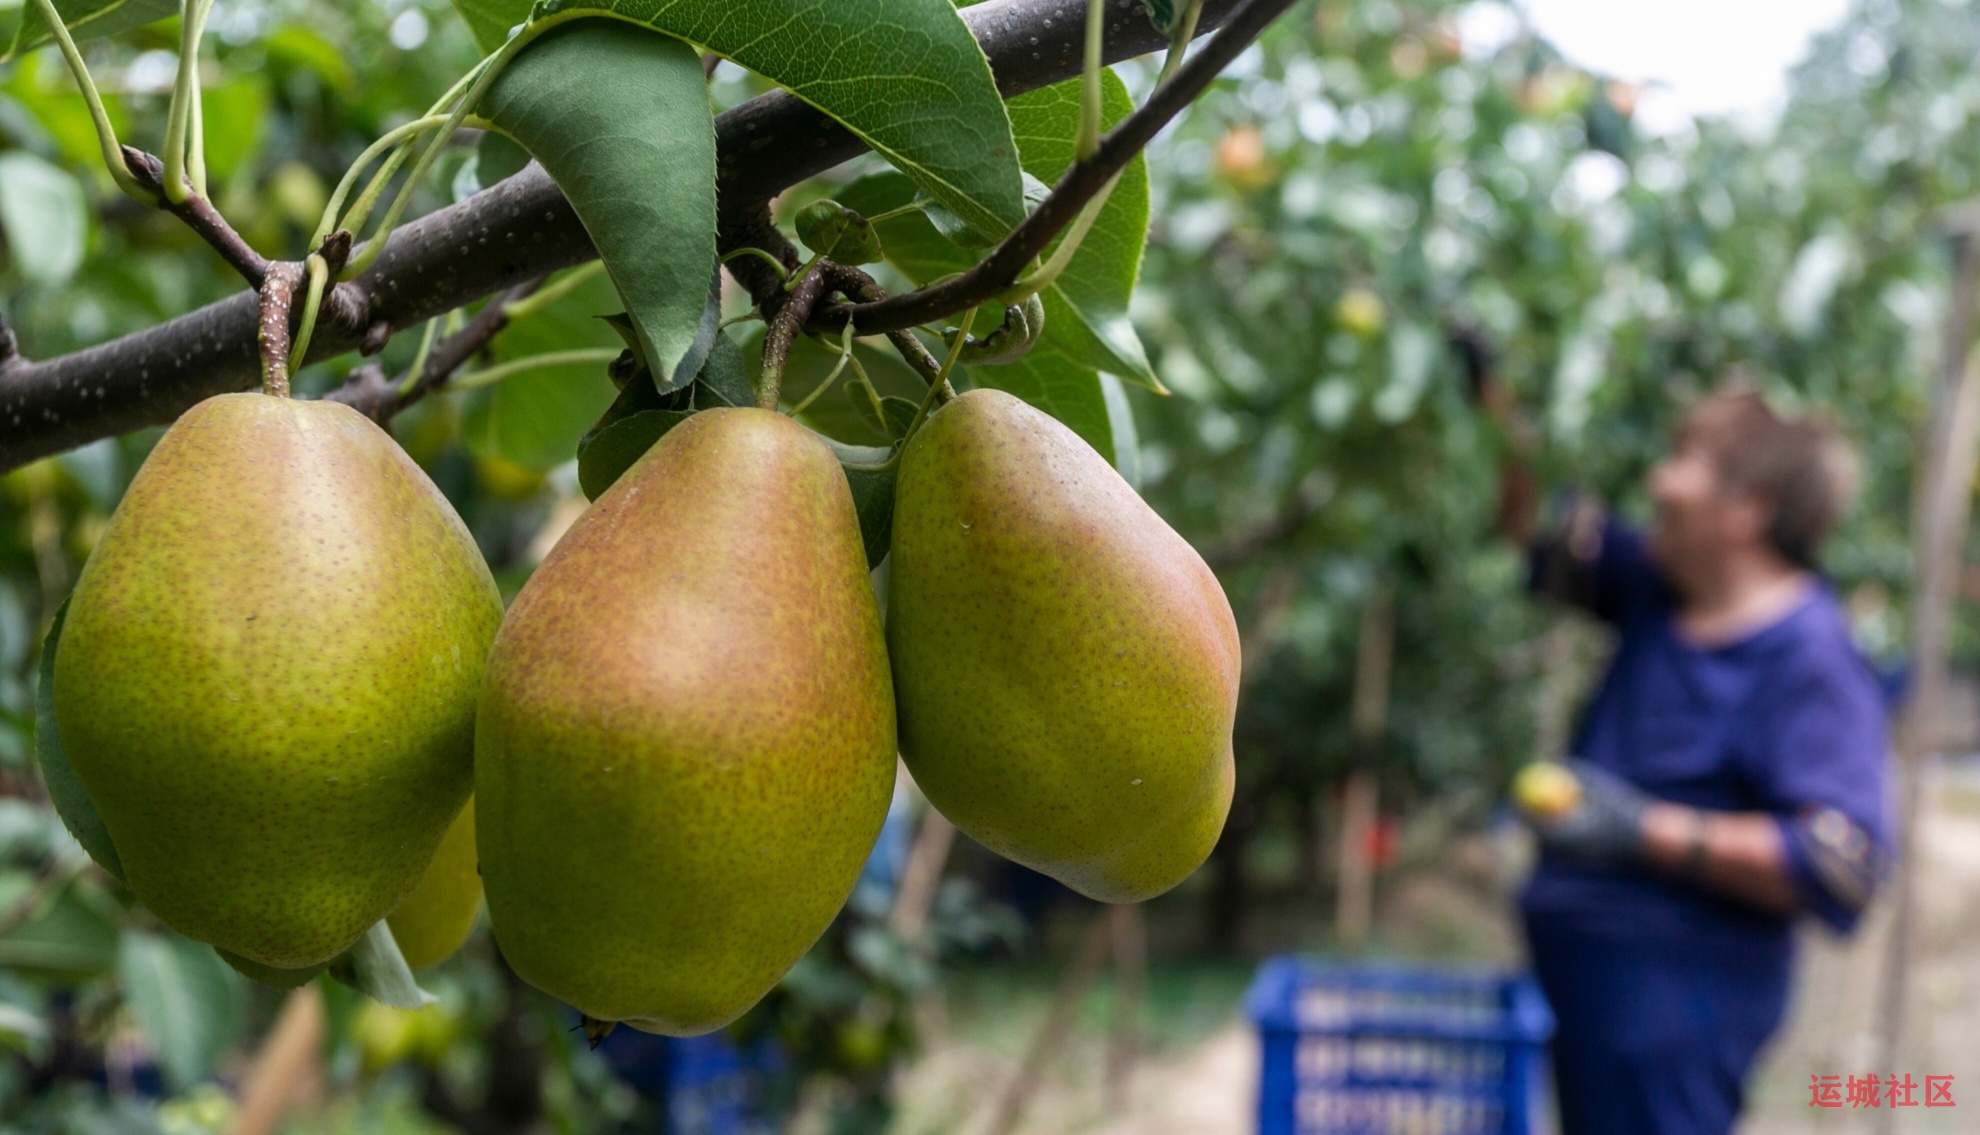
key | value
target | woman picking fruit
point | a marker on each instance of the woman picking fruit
(1729, 773)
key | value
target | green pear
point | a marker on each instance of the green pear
(1066, 664)
(686, 742)
(267, 676)
(438, 916)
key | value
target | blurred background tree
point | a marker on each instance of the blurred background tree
(1365, 187)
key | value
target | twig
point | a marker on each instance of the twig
(278, 301)
(922, 876)
(1009, 260)
(783, 332)
(369, 392)
(1058, 1021)
(53, 876)
(1130, 935)
(201, 217)
(864, 288)
(290, 1058)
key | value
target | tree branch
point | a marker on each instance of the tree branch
(10, 347)
(514, 231)
(200, 216)
(1010, 259)
(370, 393)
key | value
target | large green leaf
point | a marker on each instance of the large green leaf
(619, 117)
(65, 789)
(906, 76)
(1086, 310)
(87, 19)
(185, 999)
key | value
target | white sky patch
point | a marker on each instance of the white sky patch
(1696, 57)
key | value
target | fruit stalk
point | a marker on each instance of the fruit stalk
(782, 333)
(278, 297)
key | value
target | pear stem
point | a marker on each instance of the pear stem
(782, 333)
(278, 297)
(940, 390)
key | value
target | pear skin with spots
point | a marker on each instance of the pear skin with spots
(438, 916)
(267, 676)
(686, 742)
(1066, 664)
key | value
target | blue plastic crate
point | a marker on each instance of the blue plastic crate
(1379, 1049)
(707, 1085)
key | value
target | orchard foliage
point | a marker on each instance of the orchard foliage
(1382, 177)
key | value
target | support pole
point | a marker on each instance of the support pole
(1369, 719)
(1944, 498)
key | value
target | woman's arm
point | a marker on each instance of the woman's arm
(1737, 854)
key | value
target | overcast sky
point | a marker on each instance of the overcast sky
(1707, 56)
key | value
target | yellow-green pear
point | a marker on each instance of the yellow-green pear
(267, 676)
(1066, 664)
(438, 916)
(686, 741)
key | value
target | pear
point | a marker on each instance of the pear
(267, 676)
(1066, 664)
(437, 917)
(686, 742)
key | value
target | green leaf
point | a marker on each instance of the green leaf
(87, 19)
(185, 1000)
(1120, 423)
(536, 418)
(619, 118)
(724, 378)
(905, 76)
(375, 968)
(1060, 385)
(911, 241)
(65, 789)
(269, 975)
(1162, 13)
(302, 46)
(236, 114)
(43, 217)
(69, 937)
(870, 474)
(20, 1030)
(614, 449)
(1086, 310)
(898, 414)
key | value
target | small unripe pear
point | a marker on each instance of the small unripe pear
(437, 917)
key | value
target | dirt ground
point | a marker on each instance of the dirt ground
(1196, 1071)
